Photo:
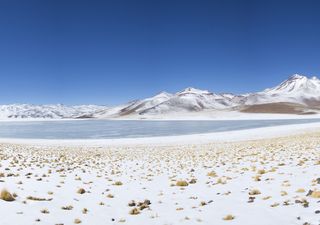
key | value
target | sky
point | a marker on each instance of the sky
(113, 51)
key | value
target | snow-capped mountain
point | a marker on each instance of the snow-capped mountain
(28, 111)
(191, 100)
(135, 107)
(145, 104)
(298, 94)
(297, 89)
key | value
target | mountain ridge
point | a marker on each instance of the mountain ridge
(297, 92)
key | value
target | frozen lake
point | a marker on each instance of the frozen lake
(106, 129)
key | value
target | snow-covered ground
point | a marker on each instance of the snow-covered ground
(274, 179)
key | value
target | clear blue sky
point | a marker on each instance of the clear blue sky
(112, 51)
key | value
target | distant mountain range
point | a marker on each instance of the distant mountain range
(296, 95)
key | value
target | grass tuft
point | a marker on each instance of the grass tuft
(228, 217)
(182, 183)
(6, 196)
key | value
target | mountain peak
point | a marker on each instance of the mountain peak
(302, 77)
(297, 76)
(163, 94)
(191, 90)
(296, 84)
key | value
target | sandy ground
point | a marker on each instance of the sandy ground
(268, 181)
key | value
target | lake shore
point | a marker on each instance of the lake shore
(215, 115)
(227, 136)
(254, 177)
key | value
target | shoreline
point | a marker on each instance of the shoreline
(199, 116)
(204, 138)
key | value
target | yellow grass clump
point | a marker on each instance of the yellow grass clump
(81, 191)
(228, 217)
(274, 205)
(182, 183)
(110, 196)
(261, 172)
(69, 207)
(85, 210)
(266, 197)
(212, 174)
(283, 193)
(38, 199)
(257, 178)
(6, 196)
(315, 194)
(254, 192)
(301, 190)
(118, 183)
(134, 211)
(45, 211)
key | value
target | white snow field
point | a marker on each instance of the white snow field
(260, 176)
